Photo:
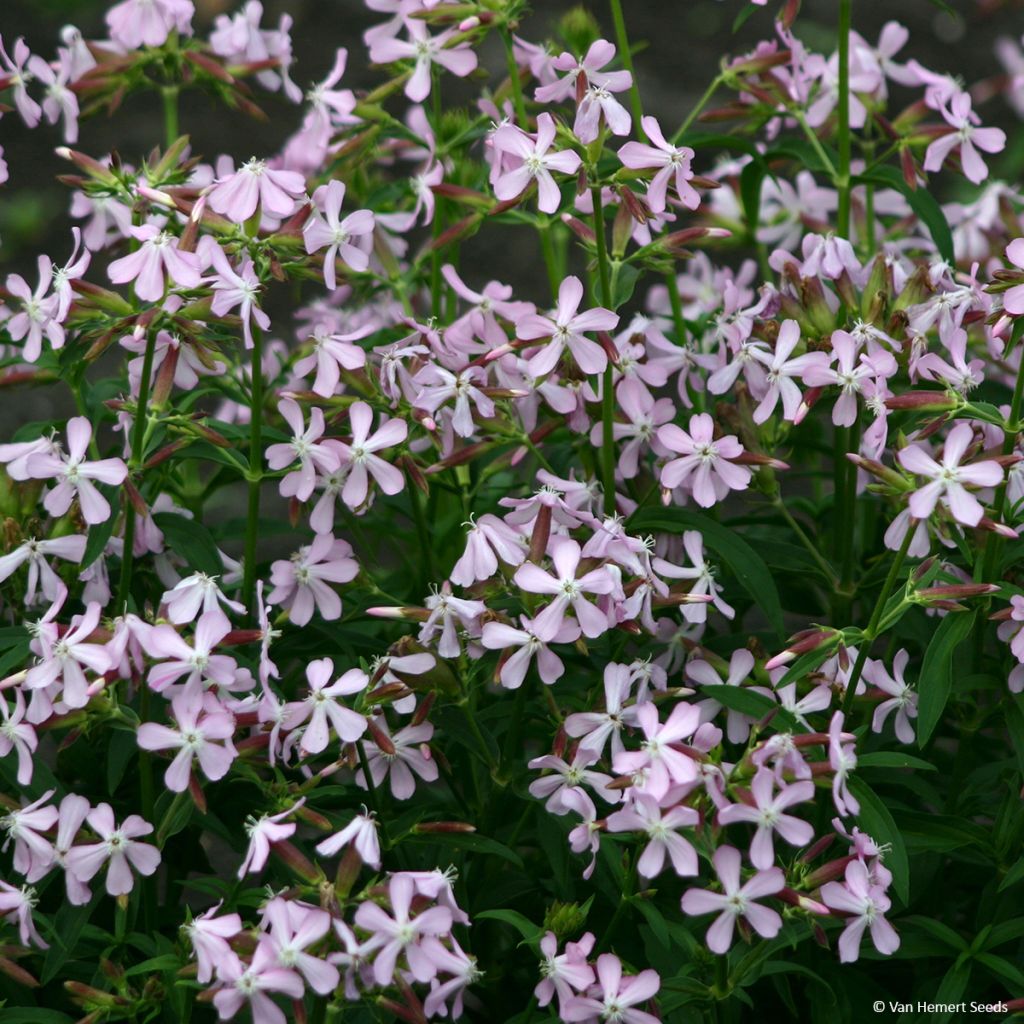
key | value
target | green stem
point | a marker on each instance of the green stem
(812, 138)
(876, 617)
(622, 39)
(628, 888)
(845, 18)
(547, 248)
(148, 800)
(170, 98)
(135, 461)
(701, 104)
(850, 513)
(806, 541)
(608, 385)
(516, 82)
(252, 521)
(993, 542)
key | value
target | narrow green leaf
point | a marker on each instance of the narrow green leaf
(530, 932)
(893, 759)
(191, 540)
(1013, 876)
(467, 841)
(743, 561)
(98, 537)
(749, 702)
(876, 820)
(68, 923)
(922, 202)
(937, 671)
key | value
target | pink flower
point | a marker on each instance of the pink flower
(851, 375)
(781, 370)
(569, 592)
(331, 354)
(157, 256)
(481, 321)
(565, 973)
(489, 539)
(16, 906)
(194, 594)
(76, 475)
(322, 710)
(537, 163)
(39, 313)
(119, 849)
(209, 937)
(306, 447)
(965, 134)
(613, 997)
(658, 759)
(361, 832)
(769, 817)
(398, 933)
(64, 659)
(566, 329)
(239, 288)
(17, 77)
(643, 814)
(705, 462)
(411, 756)
(72, 814)
(1013, 299)
(359, 458)
(40, 574)
(18, 735)
(262, 832)
(33, 854)
(425, 50)
(253, 185)
(197, 662)
(204, 731)
(241, 983)
(594, 728)
(344, 238)
(447, 615)
(59, 98)
(902, 699)
(568, 779)
(842, 757)
(438, 386)
(948, 478)
(292, 927)
(135, 23)
(498, 636)
(866, 903)
(736, 901)
(672, 161)
(301, 583)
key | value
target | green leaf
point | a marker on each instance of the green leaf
(467, 841)
(745, 563)
(531, 932)
(1002, 969)
(1013, 876)
(123, 747)
(175, 818)
(166, 962)
(876, 820)
(893, 759)
(749, 702)
(68, 923)
(33, 1015)
(624, 278)
(191, 540)
(97, 542)
(953, 986)
(751, 182)
(937, 930)
(1014, 705)
(936, 677)
(922, 202)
